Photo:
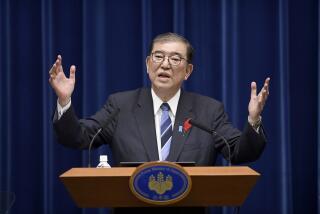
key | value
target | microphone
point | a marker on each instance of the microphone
(212, 132)
(113, 115)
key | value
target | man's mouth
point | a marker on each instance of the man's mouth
(164, 75)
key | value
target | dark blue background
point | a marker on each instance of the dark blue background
(236, 42)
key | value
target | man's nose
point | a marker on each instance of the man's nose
(166, 62)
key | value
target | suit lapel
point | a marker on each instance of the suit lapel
(184, 111)
(145, 122)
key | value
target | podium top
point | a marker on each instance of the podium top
(109, 187)
(128, 171)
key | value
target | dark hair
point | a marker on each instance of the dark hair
(173, 37)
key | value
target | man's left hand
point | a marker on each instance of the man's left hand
(257, 102)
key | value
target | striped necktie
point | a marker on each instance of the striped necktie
(165, 130)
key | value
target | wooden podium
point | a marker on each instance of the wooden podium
(211, 186)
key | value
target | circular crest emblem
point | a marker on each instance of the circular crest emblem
(160, 183)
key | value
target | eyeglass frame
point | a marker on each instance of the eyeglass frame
(168, 56)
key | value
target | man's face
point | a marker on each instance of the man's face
(165, 77)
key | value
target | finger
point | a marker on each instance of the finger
(73, 72)
(253, 89)
(267, 80)
(51, 79)
(55, 68)
(265, 87)
(59, 60)
(52, 76)
(51, 71)
(263, 96)
(58, 64)
(266, 84)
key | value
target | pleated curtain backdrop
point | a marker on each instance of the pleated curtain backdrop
(235, 42)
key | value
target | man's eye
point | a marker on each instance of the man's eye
(159, 56)
(176, 59)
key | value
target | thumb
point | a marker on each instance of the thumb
(73, 72)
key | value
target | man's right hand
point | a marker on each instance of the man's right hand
(62, 85)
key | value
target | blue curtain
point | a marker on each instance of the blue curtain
(236, 42)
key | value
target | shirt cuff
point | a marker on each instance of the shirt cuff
(61, 110)
(255, 125)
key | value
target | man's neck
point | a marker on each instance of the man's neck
(165, 95)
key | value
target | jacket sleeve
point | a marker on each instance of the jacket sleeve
(245, 146)
(77, 133)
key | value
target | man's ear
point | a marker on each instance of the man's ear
(147, 62)
(189, 70)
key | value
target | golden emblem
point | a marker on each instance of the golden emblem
(160, 185)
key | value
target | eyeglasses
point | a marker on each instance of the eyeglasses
(159, 57)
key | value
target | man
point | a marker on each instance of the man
(149, 122)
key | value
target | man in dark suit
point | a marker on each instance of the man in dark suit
(150, 122)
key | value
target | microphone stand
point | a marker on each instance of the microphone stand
(226, 143)
(113, 115)
(214, 133)
(90, 145)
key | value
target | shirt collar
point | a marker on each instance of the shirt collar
(173, 102)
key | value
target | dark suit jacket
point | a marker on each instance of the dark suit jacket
(132, 137)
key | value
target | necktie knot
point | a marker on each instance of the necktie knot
(165, 107)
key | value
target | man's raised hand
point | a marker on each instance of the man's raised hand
(62, 85)
(257, 102)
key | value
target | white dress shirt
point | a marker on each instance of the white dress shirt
(157, 102)
(61, 110)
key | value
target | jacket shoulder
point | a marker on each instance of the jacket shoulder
(202, 99)
(128, 97)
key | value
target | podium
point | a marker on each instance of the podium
(109, 187)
